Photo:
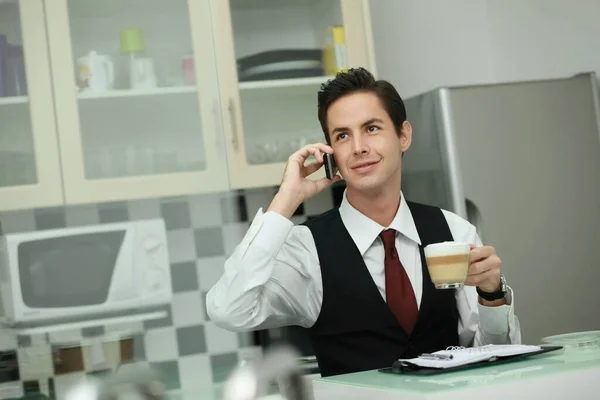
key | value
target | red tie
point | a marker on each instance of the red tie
(399, 292)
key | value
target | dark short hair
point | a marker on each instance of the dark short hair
(360, 80)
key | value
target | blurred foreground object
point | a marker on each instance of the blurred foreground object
(250, 380)
(131, 382)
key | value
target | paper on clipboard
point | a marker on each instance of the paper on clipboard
(455, 357)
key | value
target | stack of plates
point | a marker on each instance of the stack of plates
(280, 64)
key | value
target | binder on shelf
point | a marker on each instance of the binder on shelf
(335, 56)
(458, 358)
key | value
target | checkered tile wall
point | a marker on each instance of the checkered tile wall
(186, 347)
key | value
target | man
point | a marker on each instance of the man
(356, 276)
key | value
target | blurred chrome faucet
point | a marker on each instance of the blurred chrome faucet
(248, 381)
(251, 380)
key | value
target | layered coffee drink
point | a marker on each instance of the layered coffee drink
(448, 264)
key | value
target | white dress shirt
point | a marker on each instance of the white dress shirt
(273, 278)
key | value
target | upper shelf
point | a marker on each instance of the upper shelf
(136, 92)
(243, 86)
(281, 83)
(249, 4)
(14, 100)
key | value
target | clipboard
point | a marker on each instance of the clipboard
(399, 369)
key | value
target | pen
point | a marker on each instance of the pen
(437, 356)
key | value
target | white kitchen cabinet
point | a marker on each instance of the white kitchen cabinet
(189, 121)
(154, 135)
(29, 161)
(268, 119)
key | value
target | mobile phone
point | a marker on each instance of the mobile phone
(330, 167)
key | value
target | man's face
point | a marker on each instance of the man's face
(367, 149)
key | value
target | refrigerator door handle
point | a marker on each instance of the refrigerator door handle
(474, 217)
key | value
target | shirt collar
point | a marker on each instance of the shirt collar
(364, 230)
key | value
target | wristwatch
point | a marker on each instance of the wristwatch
(497, 295)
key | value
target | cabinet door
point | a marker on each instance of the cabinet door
(29, 160)
(137, 98)
(271, 65)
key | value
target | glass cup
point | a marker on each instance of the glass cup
(448, 264)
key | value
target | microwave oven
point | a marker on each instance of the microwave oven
(81, 272)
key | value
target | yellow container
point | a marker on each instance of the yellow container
(335, 56)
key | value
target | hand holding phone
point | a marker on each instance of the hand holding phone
(330, 166)
(296, 186)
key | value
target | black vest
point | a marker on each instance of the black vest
(356, 330)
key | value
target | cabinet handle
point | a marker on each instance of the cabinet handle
(217, 114)
(234, 136)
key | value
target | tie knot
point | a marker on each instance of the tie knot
(389, 239)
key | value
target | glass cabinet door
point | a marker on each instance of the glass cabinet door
(136, 98)
(29, 166)
(281, 53)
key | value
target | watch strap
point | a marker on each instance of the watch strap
(497, 295)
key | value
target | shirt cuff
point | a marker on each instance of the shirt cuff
(268, 231)
(497, 320)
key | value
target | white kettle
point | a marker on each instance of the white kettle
(95, 72)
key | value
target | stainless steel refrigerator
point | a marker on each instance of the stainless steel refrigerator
(521, 161)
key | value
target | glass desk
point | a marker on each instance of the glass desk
(568, 373)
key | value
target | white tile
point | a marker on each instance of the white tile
(210, 270)
(233, 234)
(39, 339)
(17, 221)
(35, 362)
(66, 338)
(187, 309)
(143, 209)
(124, 329)
(181, 245)
(205, 210)
(219, 340)
(82, 215)
(161, 344)
(11, 390)
(8, 340)
(195, 374)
